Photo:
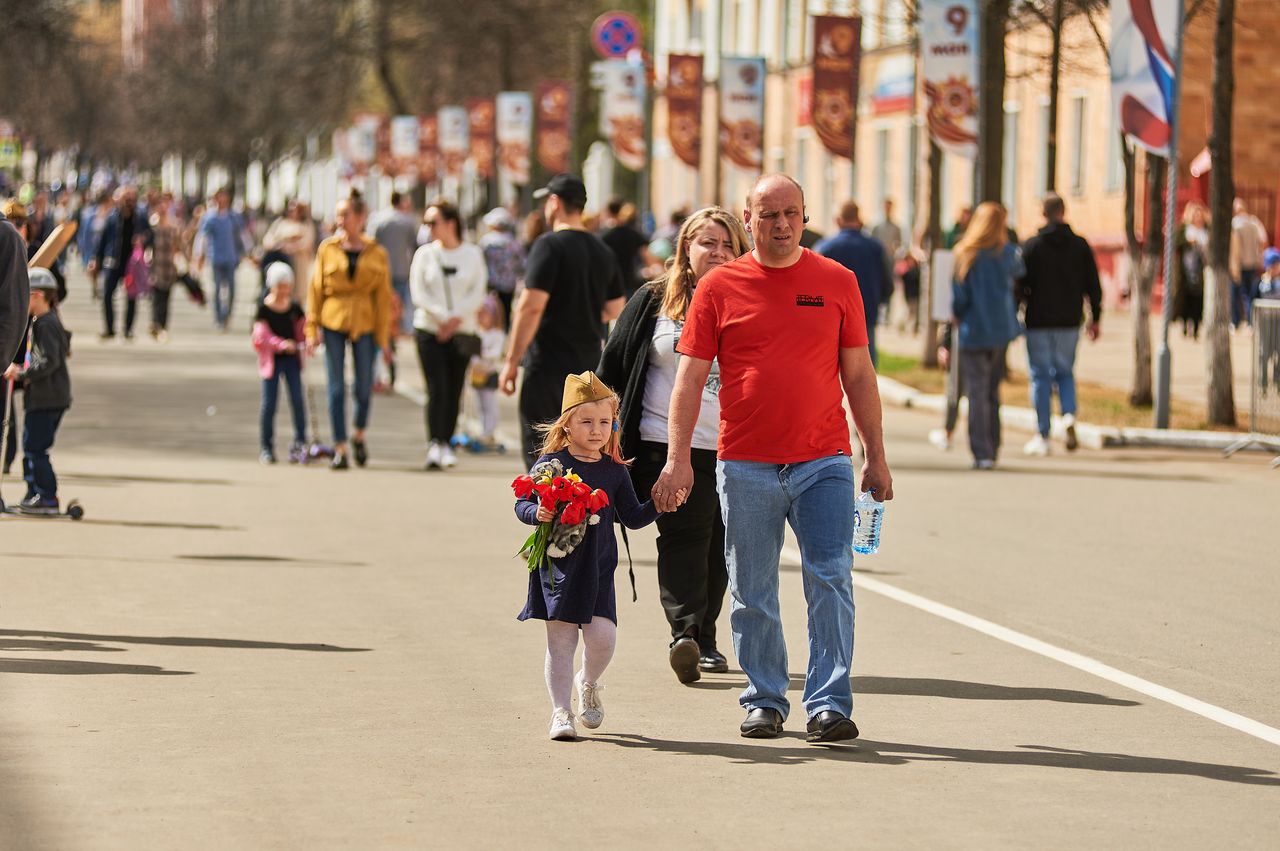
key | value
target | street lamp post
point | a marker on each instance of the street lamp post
(1164, 357)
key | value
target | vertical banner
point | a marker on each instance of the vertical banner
(1143, 35)
(453, 138)
(341, 142)
(684, 107)
(514, 133)
(837, 53)
(362, 141)
(622, 111)
(949, 56)
(742, 111)
(555, 121)
(402, 148)
(480, 119)
(428, 149)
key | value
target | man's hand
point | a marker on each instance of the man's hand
(875, 476)
(673, 486)
(507, 378)
(1093, 330)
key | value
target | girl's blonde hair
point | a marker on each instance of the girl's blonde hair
(986, 230)
(555, 435)
(674, 290)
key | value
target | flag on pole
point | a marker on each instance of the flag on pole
(1143, 40)
(742, 111)
(837, 54)
(949, 60)
(684, 106)
(514, 132)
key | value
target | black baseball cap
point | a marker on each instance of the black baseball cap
(569, 187)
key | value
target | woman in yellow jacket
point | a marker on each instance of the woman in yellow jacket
(350, 300)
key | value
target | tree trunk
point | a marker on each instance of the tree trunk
(991, 74)
(1217, 284)
(1144, 261)
(382, 59)
(932, 242)
(1055, 73)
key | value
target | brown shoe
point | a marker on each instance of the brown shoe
(684, 655)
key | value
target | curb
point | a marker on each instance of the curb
(1090, 436)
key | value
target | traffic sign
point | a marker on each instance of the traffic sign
(615, 34)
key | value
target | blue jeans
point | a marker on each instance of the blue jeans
(365, 351)
(401, 286)
(39, 429)
(224, 292)
(1051, 353)
(1243, 292)
(816, 498)
(288, 367)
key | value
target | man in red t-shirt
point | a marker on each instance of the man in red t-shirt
(788, 330)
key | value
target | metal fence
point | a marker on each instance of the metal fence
(1264, 381)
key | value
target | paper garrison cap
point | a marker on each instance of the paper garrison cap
(584, 388)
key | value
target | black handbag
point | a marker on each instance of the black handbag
(467, 345)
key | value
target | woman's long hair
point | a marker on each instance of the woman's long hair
(555, 435)
(674, 289)
(986, 230)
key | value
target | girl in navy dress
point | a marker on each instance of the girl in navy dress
(575, 592)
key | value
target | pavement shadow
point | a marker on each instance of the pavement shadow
(1050, 470)
(963, 690)
(33, 645)
(775, 752)
(122, 479)
(1050, 757)
(162, 524)
(178, 641)
(246, 557)
(74, 668)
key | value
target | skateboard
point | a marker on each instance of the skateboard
(73, 511)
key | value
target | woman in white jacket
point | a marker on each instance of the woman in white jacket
(447, 280)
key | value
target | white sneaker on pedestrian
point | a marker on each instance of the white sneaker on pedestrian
(590, 707)
(938, 437)
(434, 459)
(562, 729)
(1069, 421)
(447, 458)
(1036, 446)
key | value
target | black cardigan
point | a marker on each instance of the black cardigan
(625, 362)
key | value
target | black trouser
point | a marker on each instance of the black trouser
(160, 309)
(505, 299)
(443, 369)
(982, 371)
(11, 444)
(692, 577)
(114, 280)
(541, 393)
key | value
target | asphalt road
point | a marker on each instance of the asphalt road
(227, 655)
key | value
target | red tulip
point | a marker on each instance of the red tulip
(573, 515)
(561, 487)
(580, 490)
(523, 486)
(597, 500)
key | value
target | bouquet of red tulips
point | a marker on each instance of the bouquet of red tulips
(573, 503)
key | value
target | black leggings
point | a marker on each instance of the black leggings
(443, 369)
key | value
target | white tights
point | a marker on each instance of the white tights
(598, 639)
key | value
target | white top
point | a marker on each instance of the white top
(493, 344)
(436, 299)
(660, 383)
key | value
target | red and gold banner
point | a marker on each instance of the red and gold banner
(428, 148)
(837, 52)
(684, 106)
(555, 125)
(481, 117)
(742, 111)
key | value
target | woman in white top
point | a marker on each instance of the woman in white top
(447, 281)
(640, 358)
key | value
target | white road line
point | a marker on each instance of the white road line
(1090, 666)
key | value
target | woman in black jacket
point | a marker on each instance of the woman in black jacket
(640, 358)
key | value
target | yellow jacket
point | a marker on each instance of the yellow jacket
(352, 307)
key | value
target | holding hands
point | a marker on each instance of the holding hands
(673, 486)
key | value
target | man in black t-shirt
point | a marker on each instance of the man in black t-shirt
(628, 245)
(572, 285)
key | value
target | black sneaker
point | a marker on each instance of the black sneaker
(361, 453)
(339, 462)
(36, 504)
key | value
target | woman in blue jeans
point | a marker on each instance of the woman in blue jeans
(986, 316)
(350, 302)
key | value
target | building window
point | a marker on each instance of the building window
(1042, 154)
(1079, 106)
(696, 10)
(894, 23)
(1009, 179)
(884, 138)
(748, 15)
(872, 25)
(1115, 159)
(796, 19)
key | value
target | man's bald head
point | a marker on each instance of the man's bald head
(775, 216)
(770, 184)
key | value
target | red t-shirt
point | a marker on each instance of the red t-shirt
(778, 334)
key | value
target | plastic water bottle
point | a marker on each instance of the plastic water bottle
(868, 513)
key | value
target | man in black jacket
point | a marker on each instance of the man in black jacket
(1061, 274)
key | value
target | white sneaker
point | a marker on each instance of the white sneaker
(562, 729)
(590, 707)
(1037, 446)
(938, 437)
(434, 459)
(447, 458)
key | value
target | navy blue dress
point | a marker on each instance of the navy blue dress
(584, 578)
